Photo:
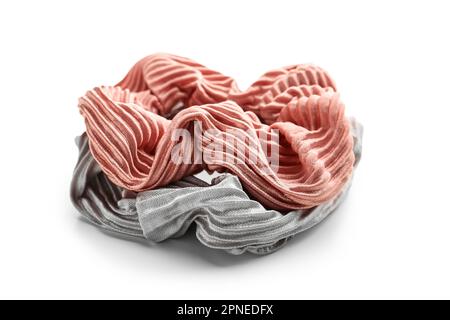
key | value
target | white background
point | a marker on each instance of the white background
(390, 60)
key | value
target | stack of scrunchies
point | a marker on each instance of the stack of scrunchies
(282, 153)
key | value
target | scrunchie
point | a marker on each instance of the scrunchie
(131, 135)
(224, 215)
(127, 180)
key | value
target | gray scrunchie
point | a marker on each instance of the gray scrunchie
(225, 216)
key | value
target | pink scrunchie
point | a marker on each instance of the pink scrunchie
(130, 134)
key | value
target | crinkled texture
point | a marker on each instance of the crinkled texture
(225, 217)
(294, 109)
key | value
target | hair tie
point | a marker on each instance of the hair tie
(284, 147)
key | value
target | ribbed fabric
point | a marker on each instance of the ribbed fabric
(225, 216)
(104, 203)
(132, 139)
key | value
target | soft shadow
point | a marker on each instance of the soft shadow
(188, 248)
(332, 218)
